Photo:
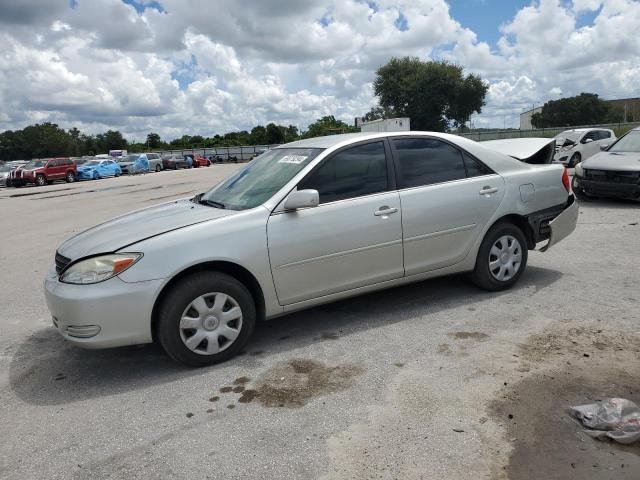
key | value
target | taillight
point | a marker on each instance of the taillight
(565, 180)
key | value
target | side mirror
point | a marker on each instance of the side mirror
(302, 199)
(604, 147)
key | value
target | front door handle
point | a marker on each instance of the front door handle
(384, 211)
(487, 190)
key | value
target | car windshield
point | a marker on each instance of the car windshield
(128, 158)
(5, 168)
(35, 164)
(259, 179)
(629, 143)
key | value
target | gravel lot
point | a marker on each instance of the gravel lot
(433, 380)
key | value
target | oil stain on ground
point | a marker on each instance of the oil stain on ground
(546, 442)
(293, 383)
(480, 337)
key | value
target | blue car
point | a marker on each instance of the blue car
(95, 169)
(134, 164)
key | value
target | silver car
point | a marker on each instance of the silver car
(304, 224)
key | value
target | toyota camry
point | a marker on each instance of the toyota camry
(303, 224)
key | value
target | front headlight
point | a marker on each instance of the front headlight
(99, 269)
(568, 147)
(578, 169)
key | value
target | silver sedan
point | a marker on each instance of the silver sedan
(303, 224)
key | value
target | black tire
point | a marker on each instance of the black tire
(574, 160)
(481, 275)
(175, 166)
(70, 177)
(41, 180)
(158, 168)
(181, 295)
(578, 191)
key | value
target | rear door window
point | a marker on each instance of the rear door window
(426, 161)
(474, 167)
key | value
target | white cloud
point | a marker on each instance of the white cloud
(207, 67)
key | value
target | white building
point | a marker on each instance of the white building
(525, 118)
(384, 125)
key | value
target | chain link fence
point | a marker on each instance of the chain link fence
(240, 154)
(619, 129)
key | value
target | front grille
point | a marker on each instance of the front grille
(61, 263)
(612, 176)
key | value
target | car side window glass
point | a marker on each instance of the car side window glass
(425, 161)
(474, 167)
(52, 163)
(355, 172)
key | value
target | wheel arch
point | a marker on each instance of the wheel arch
(234, 270)
(522, 223)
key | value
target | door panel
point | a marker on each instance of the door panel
(440, 222)
(335, 247)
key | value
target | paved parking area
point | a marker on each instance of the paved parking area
(432, 380)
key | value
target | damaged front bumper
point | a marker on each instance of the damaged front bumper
(554, 224)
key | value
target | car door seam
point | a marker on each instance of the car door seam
(439, 233)
(338, 254)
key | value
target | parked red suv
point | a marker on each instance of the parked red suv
(198, 160)
(44, 171)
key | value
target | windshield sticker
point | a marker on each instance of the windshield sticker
(295, 159)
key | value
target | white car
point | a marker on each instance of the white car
(574, 146)
(304, 224)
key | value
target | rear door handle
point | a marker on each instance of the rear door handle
(488, 190)
(385, 210)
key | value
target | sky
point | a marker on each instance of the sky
(208, 67)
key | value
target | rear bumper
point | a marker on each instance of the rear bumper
(554, 224)
(609, 189)
(563, 225)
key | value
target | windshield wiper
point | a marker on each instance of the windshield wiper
(211, 203)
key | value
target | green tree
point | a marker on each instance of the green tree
(274, 134)
(258, 135)
(110, 140)
(434, 94)
(154, 141)
(583, 109)
(328, 125)
(291, 133)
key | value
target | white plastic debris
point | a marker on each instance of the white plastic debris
(616, 418)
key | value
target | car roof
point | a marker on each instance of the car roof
(329, 141)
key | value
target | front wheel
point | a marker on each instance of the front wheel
(158, 168)
(205, 319)
(41, 180)
(501, 259)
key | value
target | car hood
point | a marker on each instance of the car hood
(134, 227)
(621, 161)
(125, 164)
(83, 168)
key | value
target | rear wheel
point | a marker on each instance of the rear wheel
(205, 319)
(70, 177)
(501, 259)
(158, 168)
(41, 180)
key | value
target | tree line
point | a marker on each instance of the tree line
(50, 140)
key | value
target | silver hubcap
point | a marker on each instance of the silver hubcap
(505, 258)
(211, 323)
